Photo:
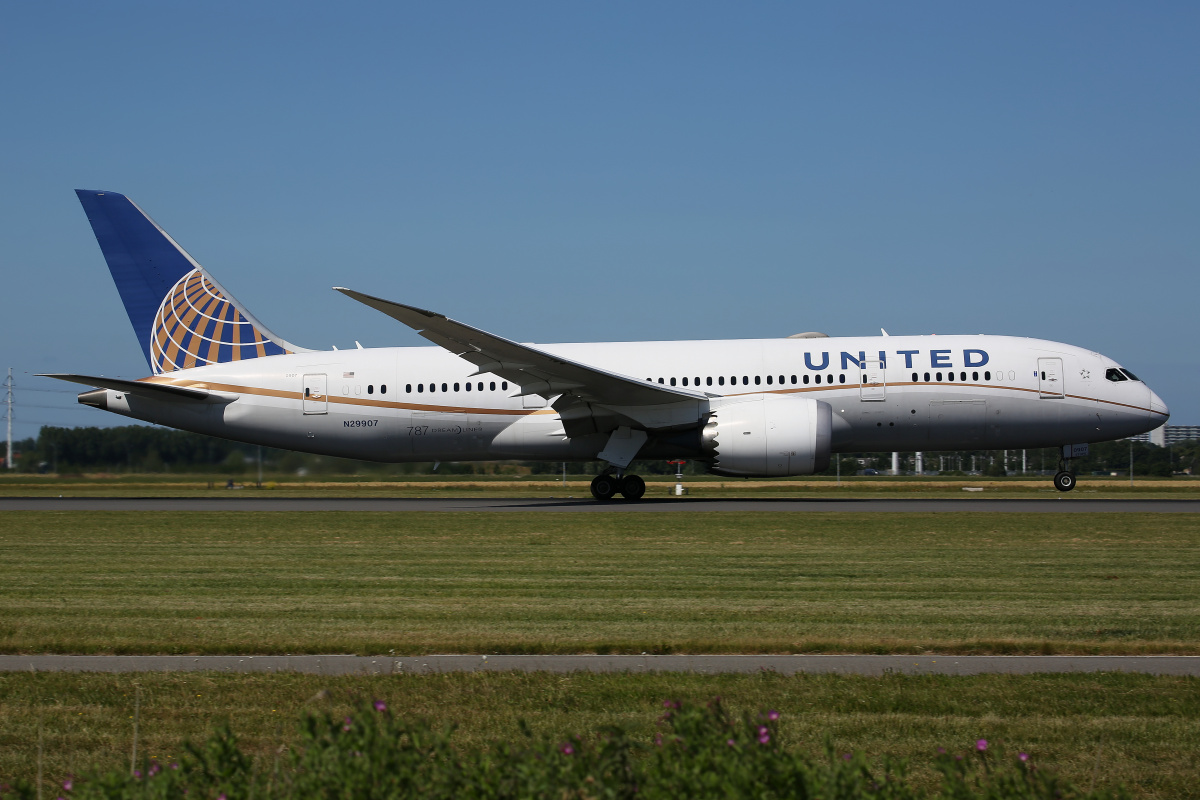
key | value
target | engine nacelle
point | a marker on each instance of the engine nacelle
(768, 435)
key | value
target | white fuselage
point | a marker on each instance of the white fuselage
(887, 393)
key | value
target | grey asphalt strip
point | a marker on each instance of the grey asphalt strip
(1052, 504)
(701, 664)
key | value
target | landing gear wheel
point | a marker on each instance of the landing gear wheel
(632, 487)
(604, 487)
(1064, 481)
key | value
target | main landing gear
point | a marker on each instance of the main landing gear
(605, 487)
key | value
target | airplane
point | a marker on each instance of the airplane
(742, 408)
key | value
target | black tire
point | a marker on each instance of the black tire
(604, 487)
(1064, 481)
(632, 487)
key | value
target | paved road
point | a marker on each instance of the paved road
(1054, 503)
(710, 664)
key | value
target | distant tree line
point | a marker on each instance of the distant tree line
(142, 449)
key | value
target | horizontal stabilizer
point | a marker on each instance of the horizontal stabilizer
(158, 391)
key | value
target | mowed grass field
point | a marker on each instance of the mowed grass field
(544, 486)
(1097, 730)
(411, 583)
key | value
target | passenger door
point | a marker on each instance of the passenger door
(1050, 378)
(872, 382)
(316, 401)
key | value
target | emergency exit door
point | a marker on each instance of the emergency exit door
(1050, 378)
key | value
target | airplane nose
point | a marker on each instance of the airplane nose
(1158, 409)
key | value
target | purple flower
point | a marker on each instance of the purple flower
(567, 750)
(154, 769)
(137, 773)
(658, 739)
(731, 742)
(222, 796)
(772, 715)
(1023, 756)
(763, 738)
(846, 756)
(345, 726)
(68, 785)
(981, 745)
(762, 730)
(174, 766)
(380, 706)
(942, 750)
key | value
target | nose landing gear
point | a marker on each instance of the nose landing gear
(605, 487)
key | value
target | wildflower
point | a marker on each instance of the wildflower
(772, 715)
(730, 742)
(658, 740)
(763, 738)
(154, 769)
(68, 785)
(1023, 756)
(941, 751)
(567, 750)
(981, 745)
(846, 756)
(762, 730)
(137, 773)
(174, 766)
(222, 796)
(345, 726)
(380, 706)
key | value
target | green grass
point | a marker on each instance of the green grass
(701, 486)
(282, 582)
(1133, 729)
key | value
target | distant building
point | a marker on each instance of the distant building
(1165, 435)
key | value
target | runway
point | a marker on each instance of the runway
(701, 664)
(1054, 504)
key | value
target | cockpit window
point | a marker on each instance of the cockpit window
(1115, 375)
(1128, 374)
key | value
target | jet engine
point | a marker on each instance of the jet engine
(768, 435)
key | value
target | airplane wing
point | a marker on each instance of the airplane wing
(158, 391)
(534, 370)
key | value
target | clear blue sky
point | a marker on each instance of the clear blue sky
(584, 171)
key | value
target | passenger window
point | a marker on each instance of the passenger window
(660, 380)
(757, 380)
(842, 378)
(480, 386)
(420, 387)
(939, 377)
(745, 380)
(1114, 375)
(987, 376)
(817, 378)
(307, 392)
(708, 380)
(769, 380)
(370, 388)
(493, 386)
(383, 388)
(444, 389)
(1128, 374)
(781, 381)
(685, 383)
(456, 387)
(433, 387)
(975, 376)
(915, 376)
(467, 386)
(793, 380)
(720, 380)
(963, 377)
(927, 377)
(504, 385)
(806, 380)
(408, 388)
(672, 381)
(696, 382)
(1043, 376)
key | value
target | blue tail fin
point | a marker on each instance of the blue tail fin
(182, 317)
